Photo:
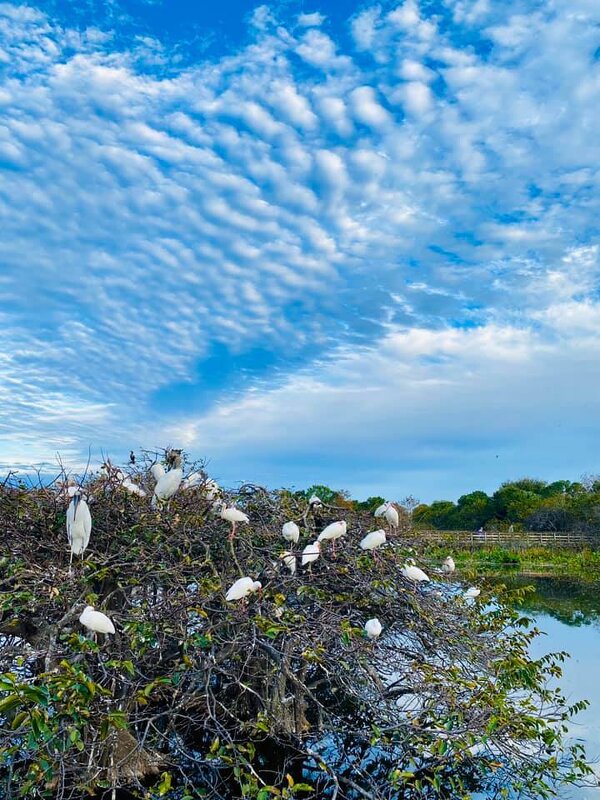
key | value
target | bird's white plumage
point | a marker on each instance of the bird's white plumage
(373, 540)
(310, 553)
(314, 500)
(333, 531)
(373, 628)
(392, 516)
(79, 525)
(448, 565)
(413, 573)
(158, 471)
(96, 621)
(242, 588)
(232, 514)
(289, 559)
(380, 510)
(192, 480)
(167, 485)
(472, 592)
(291, 532)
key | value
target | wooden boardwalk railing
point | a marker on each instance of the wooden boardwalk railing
(511, 540)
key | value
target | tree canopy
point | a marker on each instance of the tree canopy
(282, 696)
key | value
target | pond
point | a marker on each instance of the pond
(568, 611)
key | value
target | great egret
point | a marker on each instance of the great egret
(79, 525)
(373, 540)
(332, 533)
(392, 516)
(413, 573)
(170, 482)
(472, 593)
(448, 566)
(96, 621)
(242, 588)
(291, 532)
(289, 559)
(310, 554)
(233, 515)
(373, 628)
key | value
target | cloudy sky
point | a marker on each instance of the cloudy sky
(320, 242)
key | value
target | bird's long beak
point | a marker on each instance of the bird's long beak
(76, 501)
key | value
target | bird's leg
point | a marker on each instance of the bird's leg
(333, 550)
(232, 534)
(71, 563)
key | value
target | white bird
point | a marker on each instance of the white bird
(79, 526)
(192, 480)
(392, 516)
(413, 573)
(332, 533)
(132, 487)
(380, 510)
(373, 540)
(96, 621)
(373, 628)
(314, 500)
(211, 489)
(291, 532)
(289, 559)
(448, 566)
(472, 592)
(169, 483)
(242, 588)
(157, 471)
(233, 515)
(310, 553)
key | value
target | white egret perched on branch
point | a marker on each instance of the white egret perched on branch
(332, 533)
(314, 501)
(79, 524)
(289, 559)
(96, 621)
(170, 482)
(291, 532)
(373, 628)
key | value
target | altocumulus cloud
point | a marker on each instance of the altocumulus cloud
(405, 224)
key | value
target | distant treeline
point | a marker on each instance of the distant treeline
(527, 504)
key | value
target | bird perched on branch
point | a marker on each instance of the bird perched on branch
(472, 592)
(413, 573)
(373, 628)
(291, 532)
(170, 482)
(79, 524)
(332, 533)
(289, 559)
(314, 501)
(448, 566)
(96, 621)
(157, 470)
(242, 588)
(373, 540)
(233, 515)
(310, 554)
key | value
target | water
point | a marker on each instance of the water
(568, 611)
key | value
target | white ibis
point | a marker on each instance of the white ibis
(413, 573)
(289, 559)
(96, 621)
(79, 525)
(242, 588)
(291, 532)
(380, 510)
(373, 540)
(472, 592)
(448, 566)
(373, 628)
(310, 554)
(332, 533)
(233, 515)
(169, 483)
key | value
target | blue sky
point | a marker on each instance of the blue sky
(353, 244)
